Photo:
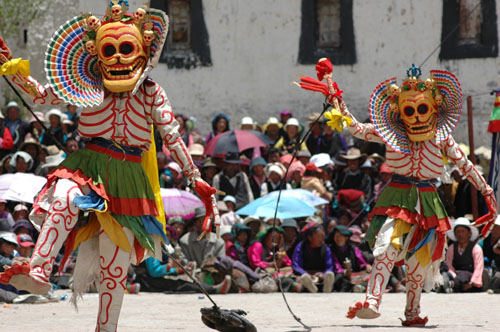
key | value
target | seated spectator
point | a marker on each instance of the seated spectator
(230, 218)
(179, 226)
(33, 148)
(353, 177)
(385, 175)
(51, 162)
(20, 212)
(247, 123)
(270, 221)
(272, 129)
(312, 182)
(332, 142)
(8, 246)
(255, 225)
(273, 155)
(24, 226)
(240, 240)
(491, 250)
(203, 250)
(225, 235)
(312, 260)
(351, 204)
(257, 175)
(464, 259)
(26, 245)
(35, 129)
(21, 162)
(295, 174)
(55, 131)
(260, 253)
(4, 214)
(286, 159)
(71, 145)
(233, 181)
(209, 170)
(274, 173)
(347, 259)
(290, 236)
(291, 139)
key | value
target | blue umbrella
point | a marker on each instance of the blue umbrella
(302, 194)
(289, 207)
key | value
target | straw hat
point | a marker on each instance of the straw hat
(272, 121)
(353, 154)
(196, 149)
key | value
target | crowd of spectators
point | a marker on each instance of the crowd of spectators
(321, 253)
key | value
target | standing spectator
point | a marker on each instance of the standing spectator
(304, 156)
(8, 245)
(291, 138)
(274, 173)
(272, 129)
(257, 175)
(464, 259)
(54, 131)
(6, 140)
(346, 258)
(220, 124)
(233, 181)
(353, 177)
(17, 127)
(312, 260)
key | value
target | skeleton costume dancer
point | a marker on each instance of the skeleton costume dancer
(103, 66)
(409, 221)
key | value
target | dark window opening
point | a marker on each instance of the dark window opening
(327, 31)
(187, 44)
(476, 36)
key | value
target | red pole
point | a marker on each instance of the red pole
(472, 157)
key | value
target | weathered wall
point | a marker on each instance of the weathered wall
(254, 47)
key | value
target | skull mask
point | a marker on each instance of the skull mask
(139, 15)
(122, 55)
(418, 111)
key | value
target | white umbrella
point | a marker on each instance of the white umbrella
(21, 187)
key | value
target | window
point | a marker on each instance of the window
(476, 35)
(327, 31)
(187, 43)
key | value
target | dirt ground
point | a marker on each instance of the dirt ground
(148, 312)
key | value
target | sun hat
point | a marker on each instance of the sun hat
(196, 149)
(292, 122)
(321, 159)
(303, 153)
(247, 121)
(354, 153)
(290, 222)
(20, 207)
(384, 168)
(30, 140)
(356, 235)
(278, 168)
(225, 229)
(464, 222)
(9, 237)
(175, 166)
(25, 240)
(55, 112)
(208, 162)
(12, 104)
(229, 198)
(312, 117)
(272, 121)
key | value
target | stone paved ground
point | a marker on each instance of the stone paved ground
(160, 312)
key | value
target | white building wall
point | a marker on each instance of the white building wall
(254, 48)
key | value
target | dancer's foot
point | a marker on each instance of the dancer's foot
(30, 284)
(416, 322)
(363, 310)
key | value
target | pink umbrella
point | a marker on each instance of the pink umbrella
(236, 141)
(179, 203)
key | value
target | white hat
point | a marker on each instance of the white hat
(66, 120)
(175, 166)
(292, 122)
(247, 121)
(278, 168)
(321, 159)
(56, 112)
(462, 222)
(13, 104)
(53, 160)
(229, 198)
(272, 121)
(196, 149)
(9, 237)
(21, 154)
(226, 229)
(497, 221)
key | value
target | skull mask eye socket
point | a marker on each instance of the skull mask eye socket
(126, 48)
(409, 111)
(108, 50)
(422, 109)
